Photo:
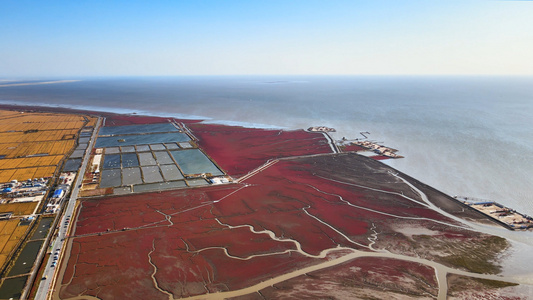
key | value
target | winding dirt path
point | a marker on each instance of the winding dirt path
(154, 280)
(441, 271)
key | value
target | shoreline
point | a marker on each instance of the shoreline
(294, 164)
(61, 109)
(415, 141)
(107, 111)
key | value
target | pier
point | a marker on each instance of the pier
(321, 128)
(513, 219)
(376, 148)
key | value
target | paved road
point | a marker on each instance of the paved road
(60, 241)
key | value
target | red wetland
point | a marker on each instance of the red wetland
(307, 209)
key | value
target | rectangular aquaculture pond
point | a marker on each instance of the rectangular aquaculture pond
(25, 260)
(159, 186)
(156, 147)
(171, 172)
(193, 161)
(110, 178)
(151, 174)
(129, 160)
(131, 176)
(77, 153)
(139, 139)
(127, 149)
(147, 159)
(12, 287)
(135, 129)
(163, 158)
(111, 161)
(72, 165)
(141, 148)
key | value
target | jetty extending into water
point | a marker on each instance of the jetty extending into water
(513, 219)
(321, 128)
(378, 149)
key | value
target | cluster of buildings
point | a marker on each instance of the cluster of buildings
(220, 180)
(24, 191)
(94, 169)
(53, 204)
(55, 200)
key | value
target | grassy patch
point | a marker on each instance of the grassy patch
(479, 258)
(494, 283)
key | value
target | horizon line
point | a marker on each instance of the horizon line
(5, 80)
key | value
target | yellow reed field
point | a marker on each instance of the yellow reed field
(92, 121)
(9, 226)
(4, 239)
(12, 230)
(6, 175)
(8, 114)
(10, 236)
(8, 148)
(44, 172)
(19, 209)
(38, 172)
(10, 245)
(3, 259)
(23, 174)
(19, 232)
(2, 225)
(26, 162)
(42, 118)
(12, 150)
(50, 135)
(26, 173)
(6, 125)
(24, 134)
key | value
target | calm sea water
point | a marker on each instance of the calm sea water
(470, 136)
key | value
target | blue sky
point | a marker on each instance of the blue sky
(117, 38)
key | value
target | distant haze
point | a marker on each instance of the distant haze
(125, 38)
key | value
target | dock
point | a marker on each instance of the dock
(378, 149)
(499, 212)
(321, 129)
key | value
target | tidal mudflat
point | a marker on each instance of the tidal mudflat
(295, 219)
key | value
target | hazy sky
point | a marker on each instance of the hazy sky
(195, 37)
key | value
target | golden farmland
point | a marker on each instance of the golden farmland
(8, 114)
(37, 161)
(47, 135)
(26, 173)
(34, 117)
(10, 235)
(13, 150)
(19, 208)
(33, 144)
(6, 125)
(92, 121)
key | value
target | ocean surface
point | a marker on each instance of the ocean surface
(467, 136)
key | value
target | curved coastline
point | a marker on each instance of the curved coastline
(7, 104)
(485, 229)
